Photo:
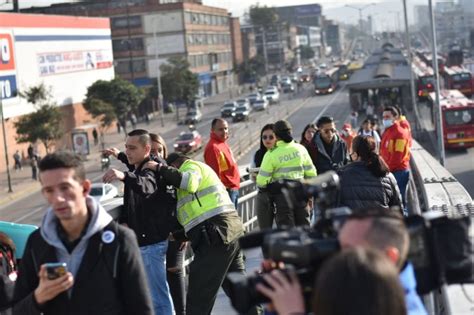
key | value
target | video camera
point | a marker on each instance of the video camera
(440, 247)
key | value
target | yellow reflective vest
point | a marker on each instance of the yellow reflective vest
(201, 195)
(285, 161)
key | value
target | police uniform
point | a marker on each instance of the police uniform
(288, 160)
(213, 226)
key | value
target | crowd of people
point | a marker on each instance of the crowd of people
(172, 201)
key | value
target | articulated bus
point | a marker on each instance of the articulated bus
(458, 118)
(326, 83)
(458, 78)
(428, 59)
(424, 76)
(343, 67)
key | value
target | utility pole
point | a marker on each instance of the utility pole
(5, 147)
(434, 48)
(158, 77)
(129, 41)
(265, 56)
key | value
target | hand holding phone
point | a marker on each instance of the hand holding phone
(53, 280)
(55, 270)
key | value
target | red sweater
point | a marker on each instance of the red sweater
(219, 157)
(395, 147)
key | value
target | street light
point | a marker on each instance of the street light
(5, 145)
(158, 73)
(360, 9)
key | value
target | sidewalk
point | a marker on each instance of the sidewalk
(23, 185)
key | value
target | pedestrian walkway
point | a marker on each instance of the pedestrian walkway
(23, 185)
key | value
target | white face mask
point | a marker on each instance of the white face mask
(387, 123)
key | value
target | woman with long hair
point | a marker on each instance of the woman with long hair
(307, 140)
(367, 181)
(264, 203)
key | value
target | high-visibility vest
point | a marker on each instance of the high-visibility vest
(201, 195)
(285, 161)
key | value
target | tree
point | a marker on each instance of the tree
(179, 84)
(264, 16)
(42, 125)
(306, 52)
(252, 69)
(112, 100)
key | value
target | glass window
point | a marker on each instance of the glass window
(215, 40)
(195, 18)
(213, 20)
(139, 66)
(127, 44)
(122, 67)
(190, 39)
(459, 117)
(121, 22)
(188, 17)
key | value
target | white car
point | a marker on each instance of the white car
(102, 192)
(260, 104)
(272, 96)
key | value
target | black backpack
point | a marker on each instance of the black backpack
(8, 269)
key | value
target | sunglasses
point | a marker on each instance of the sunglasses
(329, 130)
(268, 137)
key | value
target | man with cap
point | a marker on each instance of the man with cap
(210, 222)
(288, 160)
(347, 135)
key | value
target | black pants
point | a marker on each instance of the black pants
(265, 210)
(212, 261)
(289, 217)
(175, 277)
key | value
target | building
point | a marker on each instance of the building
(236, 38)
(333, 37)
(280, 43)
(467, 5)
(146, 33)
(311, 36)
(66, 54)
(308, 15)
(421, 16)
(453, 25)
(249, 47)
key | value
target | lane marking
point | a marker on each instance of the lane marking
(18, 220)
(343, 88)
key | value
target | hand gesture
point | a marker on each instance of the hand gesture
(111, 151)
(286, 294)
(49, 289)
(113, 175)
(152, 165)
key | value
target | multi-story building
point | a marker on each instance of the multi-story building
(333, 37)
(312, 35)
(421, 16)
(146, 33)
(453, 25)
(249, 46)
(236, 38)
(308, 14)
(280, 42)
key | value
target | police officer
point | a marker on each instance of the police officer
(210, 222)
(288, 160)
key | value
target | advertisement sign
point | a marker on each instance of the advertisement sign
(53, 63)
(80, 142)
(8, 85)
(311, 9)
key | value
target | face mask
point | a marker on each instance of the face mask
(387, 123)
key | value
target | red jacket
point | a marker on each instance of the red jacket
(395, 147)
(406, 125)
(219, 157)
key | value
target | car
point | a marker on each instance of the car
(188, 141)
(254, 97)
(294, 77)
(228, 109)
(241, 113)
(243, 101)
(271, 88)
(285, 80)
(323, 66)
(103, 192)
(275, 79)
(288, 88)
(193, 116)
(272, 96)
(305, 77)
(260, 104)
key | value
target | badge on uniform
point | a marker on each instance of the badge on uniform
(108, 237)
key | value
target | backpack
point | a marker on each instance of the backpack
(8, 272)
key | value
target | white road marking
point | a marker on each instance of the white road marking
(29, 214)
(329, 104)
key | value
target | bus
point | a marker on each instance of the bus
(427, 58)
(326, 82)
(343, 67)
(424, 76)
(458, 78)
(458, 118)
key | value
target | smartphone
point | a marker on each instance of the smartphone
(56, 270)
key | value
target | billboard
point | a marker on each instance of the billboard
(73, 61)
(8, 85)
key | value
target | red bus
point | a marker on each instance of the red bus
(343, 67)
(326, 83)
(427, 58)
(458, 118)
(424, 76)
(458, 78)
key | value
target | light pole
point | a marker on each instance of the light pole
(5, 147)
(360, 9)
(437, 87)
(158, 74)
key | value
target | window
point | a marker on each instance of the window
(123, 67)
(126, 44)
(121, 22)
(188, 17)
(213, 20)
(139, 66)
(191, 39)
(195, 18)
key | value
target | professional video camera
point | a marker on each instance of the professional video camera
(441, 248)
(301, 248)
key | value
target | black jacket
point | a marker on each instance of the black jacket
(360, 188)
(103, 285)
(327, 161)
(148, 206)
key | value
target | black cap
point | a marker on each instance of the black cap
(174, 156)
(281, 126)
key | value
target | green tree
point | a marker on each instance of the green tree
(252, 69)
(179, 84)
(44, 124)
(262, 16)
(112, 100)
(306, 52)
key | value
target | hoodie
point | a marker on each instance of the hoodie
(100, 219)
(219, 157)
(327, 161)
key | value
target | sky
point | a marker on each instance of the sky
(384, 12)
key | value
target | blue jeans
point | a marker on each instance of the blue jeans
(402, 178)
(154, 259)
(234, 197)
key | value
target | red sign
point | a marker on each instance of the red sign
(7, 59)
